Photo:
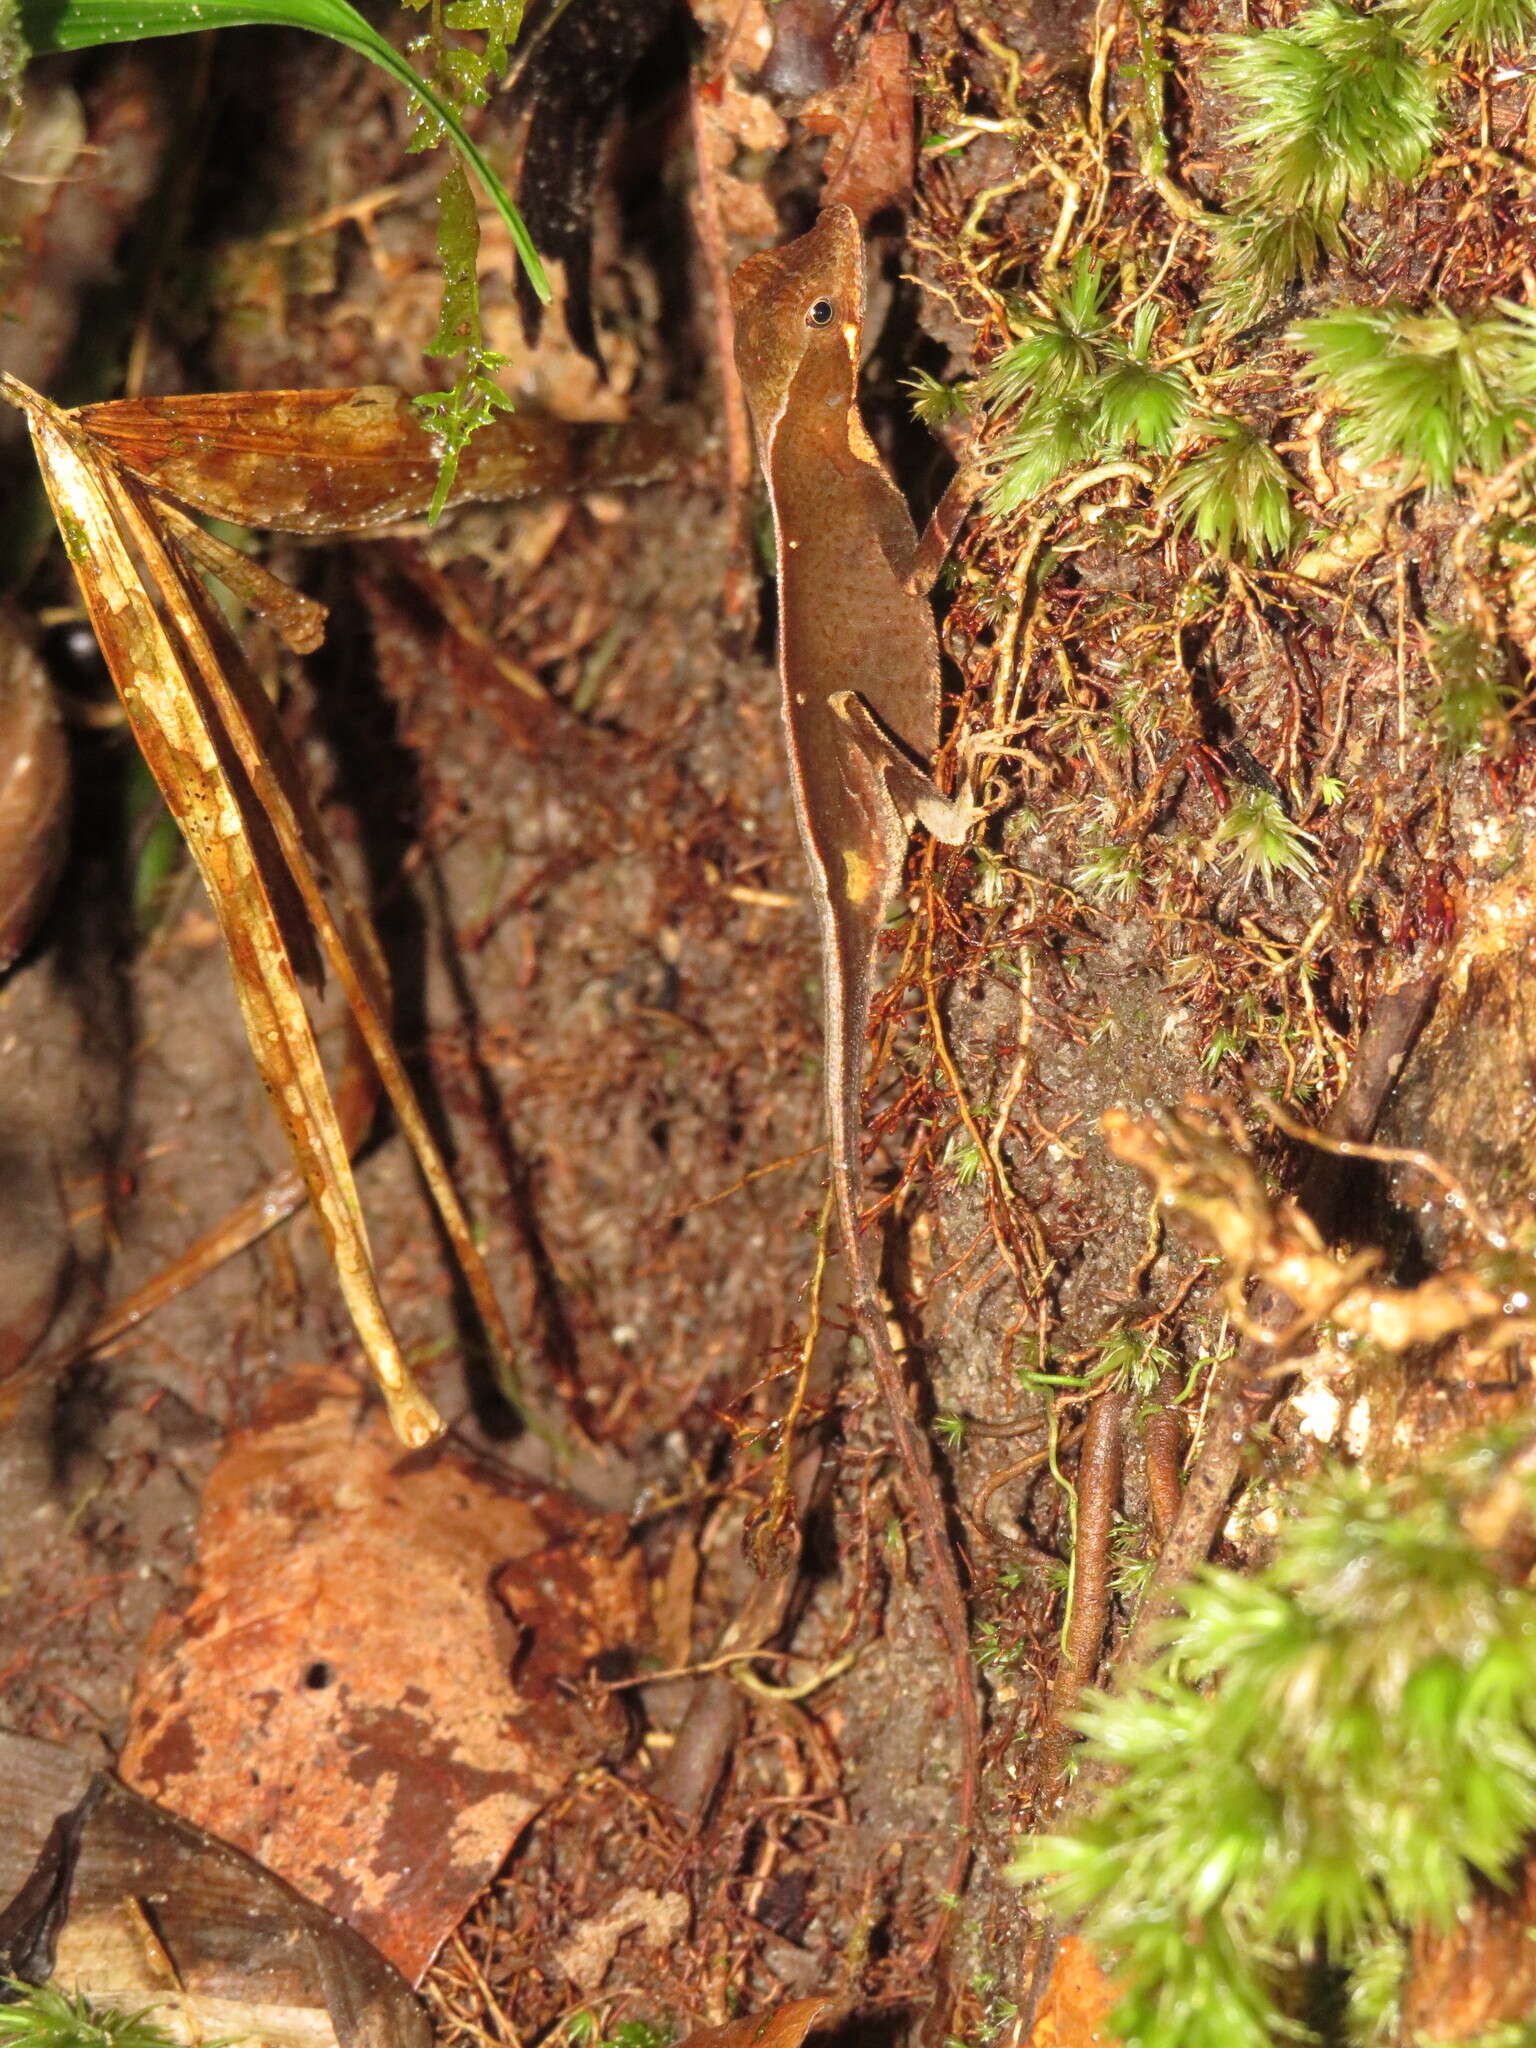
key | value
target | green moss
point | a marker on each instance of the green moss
(1072, 390)
(1433, 391)
(1111, 873)
(1333, 108)
(1474, 691)
(44, 2016)
(1482, 29)
(936, 404)
(1262, 842)
(1321, 1756)
(1259, 253)
(1235, 493)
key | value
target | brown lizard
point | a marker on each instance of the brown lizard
(859, 662)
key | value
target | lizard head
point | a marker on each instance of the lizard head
(800, 308)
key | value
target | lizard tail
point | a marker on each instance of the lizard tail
(912, 1443)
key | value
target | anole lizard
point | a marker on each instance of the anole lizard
(859, 663)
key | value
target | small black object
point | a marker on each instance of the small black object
(570, 68)
(30, 1924)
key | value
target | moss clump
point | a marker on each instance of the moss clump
(44, 2016)
(1333, 107)
(1235, 493)
(1432, 391)
(1323, 1757)
(1083, 392)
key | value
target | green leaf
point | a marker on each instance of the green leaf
(54, 25)
(453, 416)
(497, 20)
(458, 252)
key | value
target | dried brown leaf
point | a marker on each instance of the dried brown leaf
(784, 2026)
(334, 1695)
(299, 620)
(344, 461)
(871, 157)
(267, 834)
(147, 624)
(345, 933)
(158, 631)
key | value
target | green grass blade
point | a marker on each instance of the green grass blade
(52, 25)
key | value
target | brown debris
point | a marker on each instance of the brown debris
(334, 1695)
(785, 2027)
(1199, 1173)
(586, 1956)
(133, 1907)
(340, 461)
(868, 118)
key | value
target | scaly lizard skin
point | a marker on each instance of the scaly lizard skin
(859, 662)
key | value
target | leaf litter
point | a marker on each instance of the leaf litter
(341, 1694)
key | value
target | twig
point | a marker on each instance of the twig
(1162, 1439)
(1252, 1386)
(1098, 1495)
(1148, 127)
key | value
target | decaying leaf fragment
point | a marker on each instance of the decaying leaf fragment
(339, 1692)
(213, 744)
(868, 118)
(134, 1907)
(1075, 2006)
(346, 461)
(784, 2026)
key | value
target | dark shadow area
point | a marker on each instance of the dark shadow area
(377, 777)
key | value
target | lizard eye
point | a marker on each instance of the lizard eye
(820, 314)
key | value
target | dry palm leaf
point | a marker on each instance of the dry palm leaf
(214, 747)
(348, 461)
(322, 462)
